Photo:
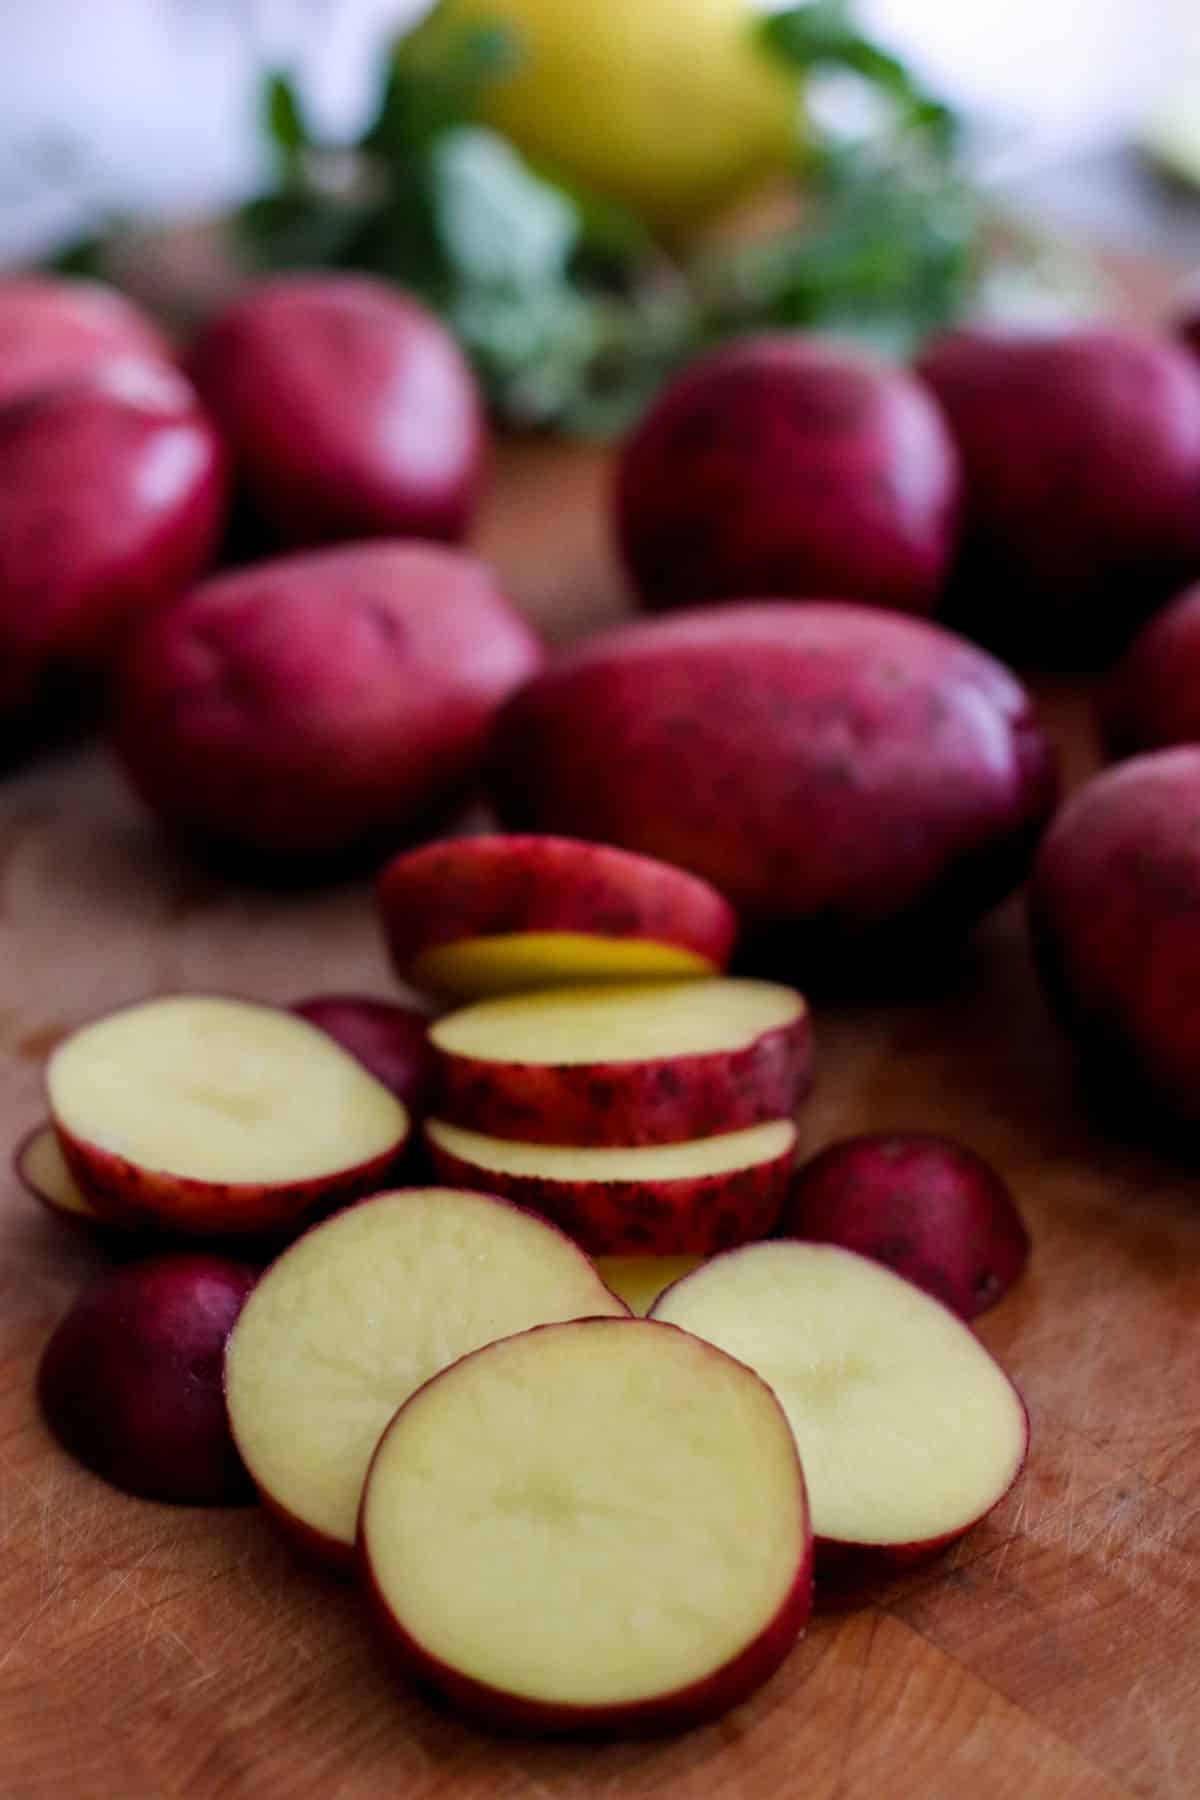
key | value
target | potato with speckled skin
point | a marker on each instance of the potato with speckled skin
(646, 1063)
(788, 466)
(55, 328)
(350, 410)
(319, 707)
(1080, 450)
(930, 1209)
(484, 915)
(132, 1383)
(659, 1200)
(112, 498)
(1114, 907)
(841, 773)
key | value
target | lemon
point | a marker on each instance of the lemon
(671, 106)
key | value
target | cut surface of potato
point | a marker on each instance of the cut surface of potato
(599, 1525)
(43, 1171)
(509, 911)
(908, 1430)
(647, 1063)
(531, 959)
(684, 1199)
(218, 1114)
(639, 1280)
(362, 1310)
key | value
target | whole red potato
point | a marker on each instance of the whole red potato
(1152, 699)
(132, 1381)
(930, 1209)
(783, 465)
(1114, 908)
(841, 773)
(321, 706)
(391, 1041)
(112, 496)
(351, 411)
(54, 328)
(1081, 454)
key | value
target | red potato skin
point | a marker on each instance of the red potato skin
(663, 1102)
(152, 1201)
(704, 1700)
(931, 1210)
(351, 410)
(493, 886)
(843, 773)
(787, 465)
(1152, 698)
(112, 497)
(1114, 913)
(132, 1380)
(1081, 456)
(319, 707)
(696, 1216)
(55, 328)
(391, 1041)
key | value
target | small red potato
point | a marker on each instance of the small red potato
(783, 465)
(1152, 698)
(909, 1431)
(648, 1063)
(131, 1383)
(54, 328)
(112, 497)
(834, 770)
(358, 1314)
(351, 411)
(211, 1118)
(1081, 455)
(659, 1200)
(500, 914)
(1114, 907)
(930, 1209)
(391, 1041)
(319, 707)
(42, 1171)
(544, 1577)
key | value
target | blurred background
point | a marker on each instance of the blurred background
(151, 105)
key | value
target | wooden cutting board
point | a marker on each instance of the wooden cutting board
(149, 1652)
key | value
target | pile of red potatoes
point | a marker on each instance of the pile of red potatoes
(240, 559)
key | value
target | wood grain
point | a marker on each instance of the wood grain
(156, 1654)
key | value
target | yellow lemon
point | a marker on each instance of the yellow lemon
(672, 106)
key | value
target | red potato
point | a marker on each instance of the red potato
(214, 1118)
(1152, 698)
(317, 708)
(786, 466)
(930, 1209)
(909, 1431)
(358, 1314)
(843, 773)
(489, 915)
(552, 1542)
(351, 410)
(391, 1041)
(42, 1171)
(651, 1063)
(112, 497)
(1081, 455)
(131, 1383)
(1114, 907)
(660, 1200)
(54, 328)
